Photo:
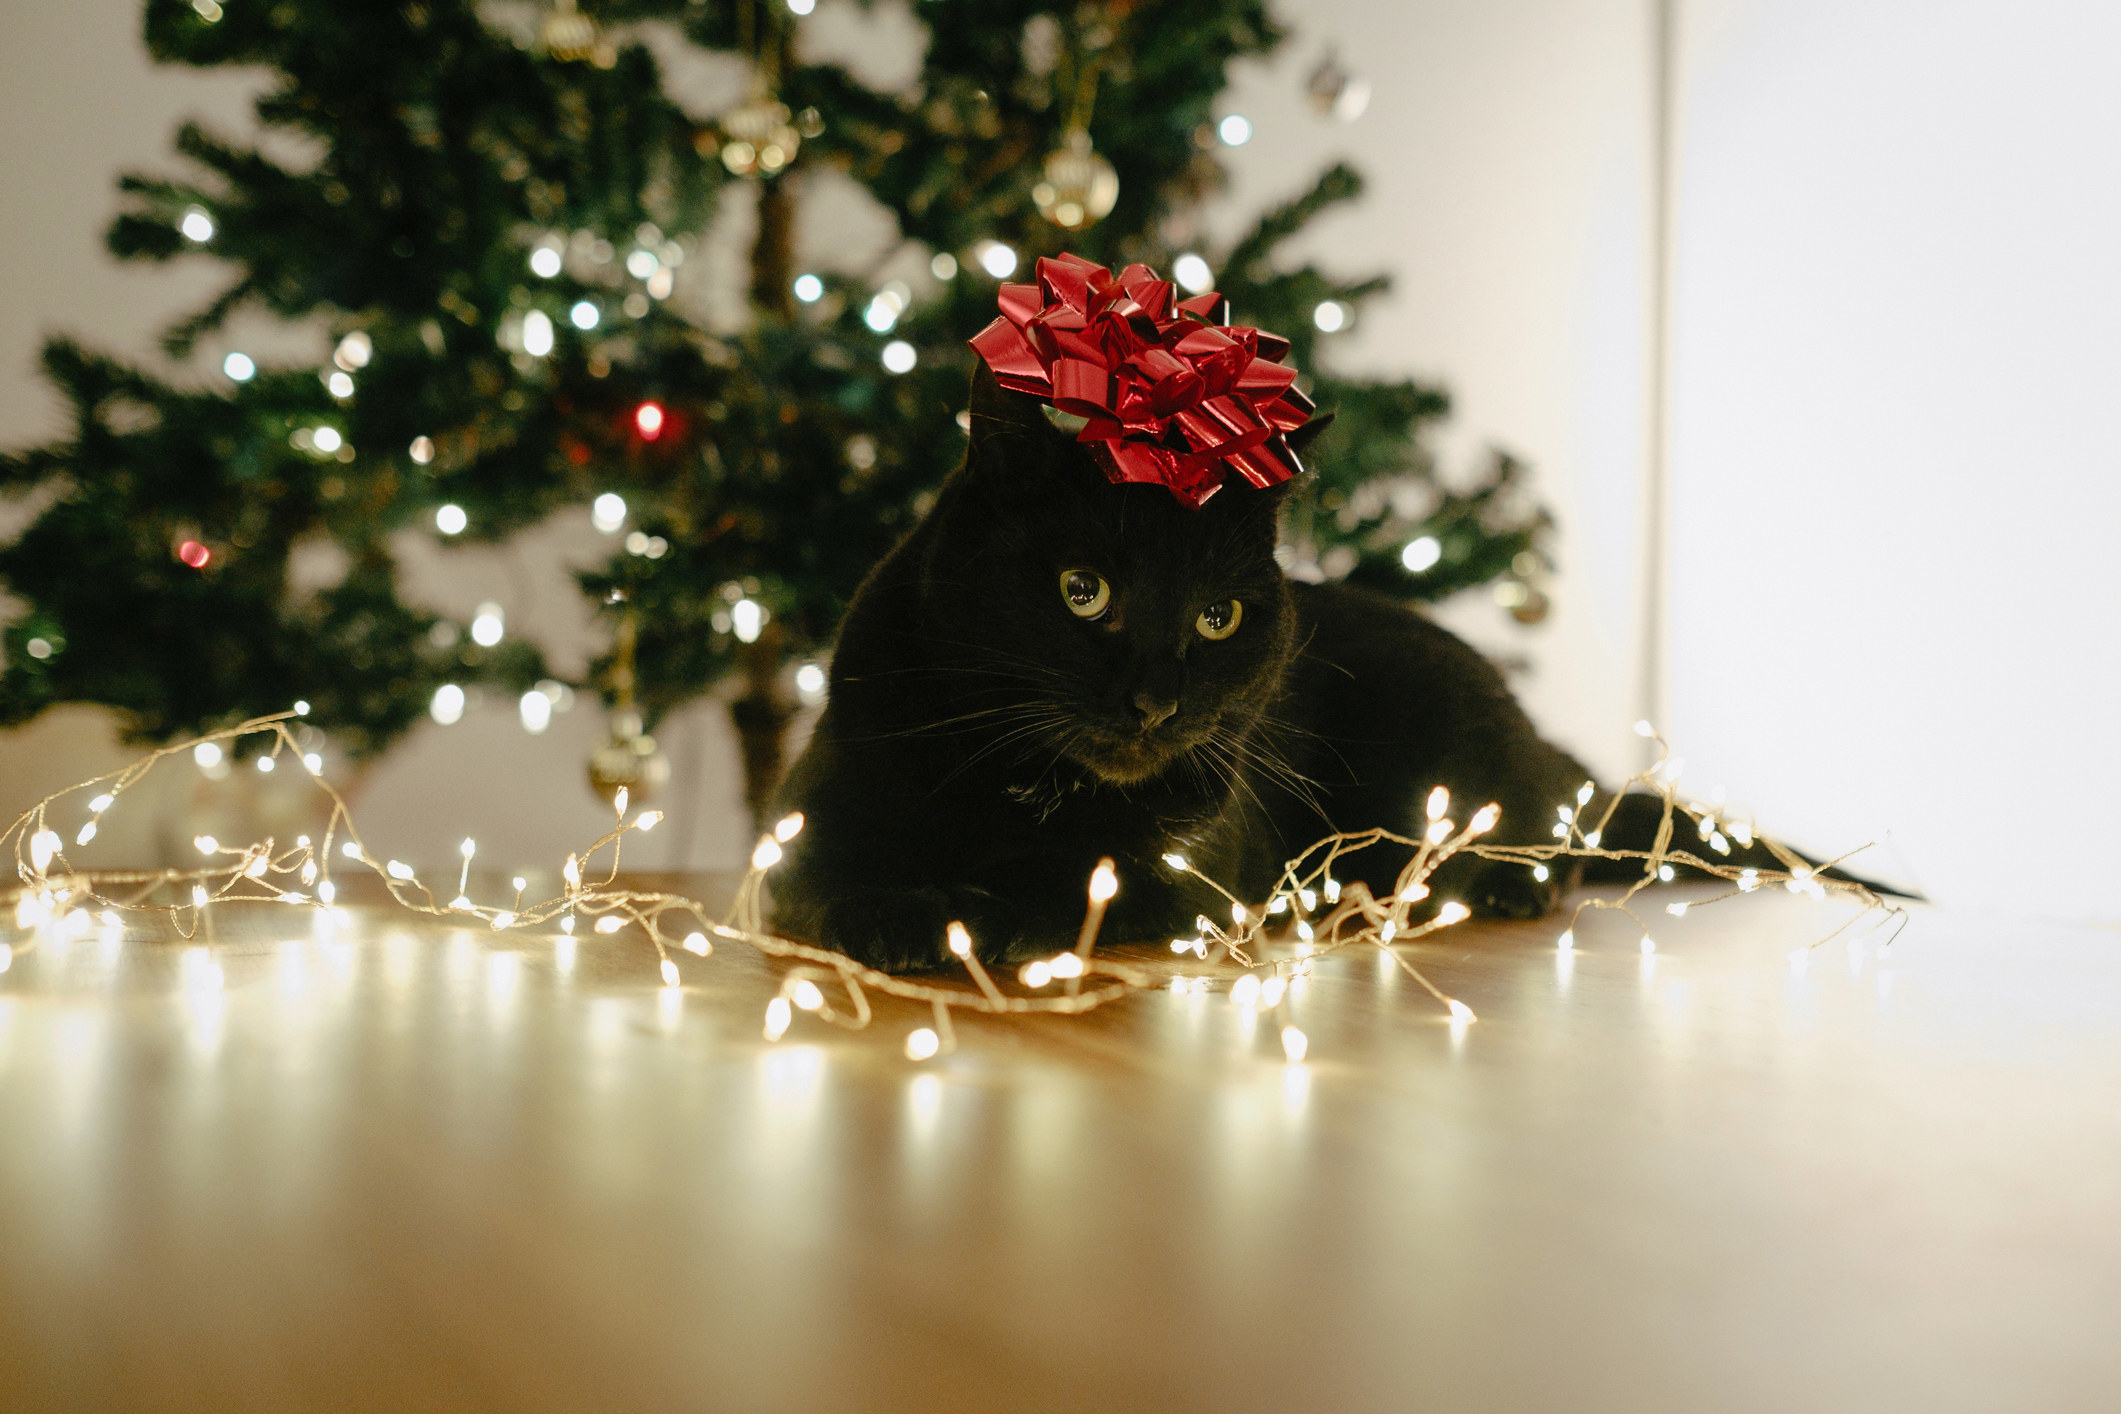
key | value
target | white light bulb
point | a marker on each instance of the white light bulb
(448, 704)
(1235, 130)
(810, 683)
(239, 367)
(545, 262)
(922, 1043)
(207, 754)
(746, 618)
(537, 333)
(1331, 316)
(944, 266)
(1421, 553)
(642, 263)
(805, 994)
(1294, 1044)
(450, 519)
(789, 827)
(422, 450)
(608, 512)
(899, 357)
(809, 289)
(197, 226)
(1192, 274)
(326, 439)
(997, 260)
(767, 854)
(488, 625)
(584, 315)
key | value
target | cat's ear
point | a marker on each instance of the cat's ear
(999, 413)
(1304, 436)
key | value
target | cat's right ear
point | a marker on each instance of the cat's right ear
(999, 414)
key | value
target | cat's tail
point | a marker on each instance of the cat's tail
(1636, 818)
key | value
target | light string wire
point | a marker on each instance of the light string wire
(836, 989)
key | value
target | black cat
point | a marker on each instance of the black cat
(1053, 668)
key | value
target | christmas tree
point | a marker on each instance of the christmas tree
(494, 222)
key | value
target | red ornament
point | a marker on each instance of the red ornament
(648, 421)
(194, 554)
(1173, 395)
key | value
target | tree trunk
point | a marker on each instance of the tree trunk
(761, 716)
(773, 254)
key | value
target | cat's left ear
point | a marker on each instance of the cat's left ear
(1304, 436)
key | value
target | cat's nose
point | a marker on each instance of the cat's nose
(1155, 710)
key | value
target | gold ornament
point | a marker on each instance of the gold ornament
(1335, 92)
(567, 33)
(1078, 186)
(762, 136)
(628, 760)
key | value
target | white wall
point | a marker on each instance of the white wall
(1897, 345)
(1507, 148)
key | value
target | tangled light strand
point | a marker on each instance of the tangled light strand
(835, 988)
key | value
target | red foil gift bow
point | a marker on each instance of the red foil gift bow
(1172, 394)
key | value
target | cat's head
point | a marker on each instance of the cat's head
(1122, 628)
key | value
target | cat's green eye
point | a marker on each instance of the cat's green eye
(1085, 593)
(1220, 620)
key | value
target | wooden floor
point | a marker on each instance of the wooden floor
(406, 1169)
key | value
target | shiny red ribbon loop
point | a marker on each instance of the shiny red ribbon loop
(1171, 395)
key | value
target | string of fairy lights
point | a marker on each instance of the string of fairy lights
(1309, 914)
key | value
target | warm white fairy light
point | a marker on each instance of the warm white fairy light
(960, 940)
(1294, 1044)
(922, 1043)
(806, 994)
(1354, 916)
(778, 1016)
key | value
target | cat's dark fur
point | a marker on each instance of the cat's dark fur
(983, 746)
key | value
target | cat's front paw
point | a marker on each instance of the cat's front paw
(1508, 890)
(897, 931)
